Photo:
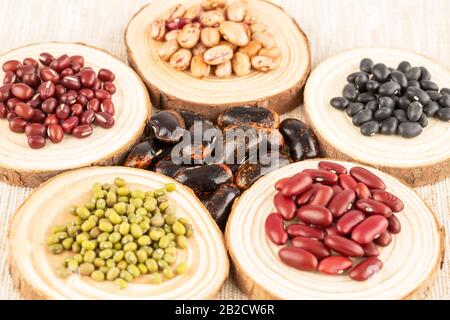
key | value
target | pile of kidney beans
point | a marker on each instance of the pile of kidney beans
(391, 101)
(329, 216)
(59, 96)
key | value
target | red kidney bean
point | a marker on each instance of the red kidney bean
(66, 72)
(51, 119)
(335, 265)
(87, 117)
(5, 92)
(106, 75)
(77, 59)
(22, 71)
(21, 91)
(46, 90)
(77, 109)
(105, 120)
(368, 178)
(36, 142)
(388, 199)
(82, 131)
(370, 229)
(24, 111)
(298, 258)
(88, 93)
(48, 74)
(301, 230)
(10, 77)
(71, 82)
(347, 182)
(279, 184)
(32, 80)
(35, 129)
(306, 196)
(60, 63)
(101, 94)
(285, 206)
(110, 87)
(362, 191)
(108, 107)
(316, 247)
(349, 221)
(332, 231)
(38, 117)
(370, 206)
(384, 239)
(3, 110)
(275, 229)
(17, 125)
(321, 196)
(394, 225)
(55, 133)
(87, 77)
(62, 111)
(45, 58)
(49, 105)
(332, 167)
(11, 65)
(337, 189)
(59, 91)
(366, 269)
(69, 124)
(30, 62)
(344, 246)
(94, 104)
(297, 184)
(12, 103)
(322, 176)
(370, 250)
(315, 215)
(342, 203)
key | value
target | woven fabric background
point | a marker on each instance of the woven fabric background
(331, 25)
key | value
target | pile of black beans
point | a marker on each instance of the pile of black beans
(391, 101)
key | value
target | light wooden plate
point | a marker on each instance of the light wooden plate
(23, 166)
(171, 89)
(411, 261)
(33, 268)
(419, 161)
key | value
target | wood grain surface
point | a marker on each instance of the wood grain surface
(331, 25)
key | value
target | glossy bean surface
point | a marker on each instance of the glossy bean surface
(274, 227)
(298, 258)
(370, 229)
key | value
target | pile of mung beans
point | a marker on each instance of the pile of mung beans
(121, 234)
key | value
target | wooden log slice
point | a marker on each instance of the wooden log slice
(418, 161)
(20, 165)
(33, 267)
(171, 89)
(411, 261)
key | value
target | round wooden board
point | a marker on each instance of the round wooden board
(33, 268)
(411, 261)
(418, 161)
(171, 89)
(20, 165)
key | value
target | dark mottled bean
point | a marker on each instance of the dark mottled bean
(404, 66)
(362, 117)
(242, 115)
(414, 111)
(365, 97)
(409, 129)
(413, 73)
(300, 139)
(353, 108)
(372, 85)
(220, 202)
(428, 85)
(206, 178)
(168, 125)
(380, 72)
(389, 88)
(389, 126)
(400, 78)
(366, 65)
(370, 128)
(444, 114)
(339, 103)
(382, 114)
(350, 92)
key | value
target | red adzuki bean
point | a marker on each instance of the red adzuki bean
(49, 105)
(370, 229)
(332, 167)
(285, 206)
(82, 131)
(24, 111)
(110, 87)
(21, 91)
(370, 206)
(106, 75)
(66, 72)
(101, 94)
(77, 109)
(108, 107)
(344, 246)
(55, 133)
(362, 191)
(22, 71)
(35, 129)
(275, 229)
(10, 77)
(51, 119)
(384, 239)
(45, 58)
(368, 178)
(11, 65)
(315, 215)
(38, 117)
(297, 184)
(335, 265)
(94, 104)
(60, 63)
(316, 247)
(48, 74)
(366, 269)
(342, 203)
(347, 182)
(301, 230)
(388, 199)
(62, 111)
(370, 250)
(87, 117)
(394, 225)
(322, 176)
(17, 125)
(46, 90)
(77, 59)
(35, 101)
(321, 195)
(298, 258)
(349, 221)
(36, 142)
(32, 80)
(3, 110)
(69, 124)
(87, 77)
(30, 62)
(71, 82)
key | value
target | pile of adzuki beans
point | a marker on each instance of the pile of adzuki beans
(60, 96)
(340, 215)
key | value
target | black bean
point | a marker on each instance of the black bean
(361, 80)
(400, 78)
(414, 111)
(428, 85)
(351, 77)
(389, 126)
(366, 65)
(424, 74)
(386, 102)
(370, 128)
(409, 129)
(434, 95)
(416, 94)
(423, 121)
(403, 102)
(404, 66)
(444, 114)
(382, 114)
(362, 117)
(339, 103)
(350, 91)
(431, 108)
(413, 74)
(413, 84)
(372, 105)
(445, 91)
(372, 86)
(380, 72)
(444, 101)
(389, 88)
(400, 114)
(365, 97)
(353, 108)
